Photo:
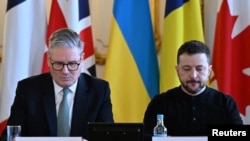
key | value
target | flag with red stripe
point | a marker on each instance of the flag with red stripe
(23, 46)
(231, 53)
(75, 15)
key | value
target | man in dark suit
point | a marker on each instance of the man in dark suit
(37, 99)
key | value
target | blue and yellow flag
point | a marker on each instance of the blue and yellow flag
(182, 22)
(131, 65)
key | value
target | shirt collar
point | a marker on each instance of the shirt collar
(58, 88)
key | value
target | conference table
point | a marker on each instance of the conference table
(48, 139)
(184, 138)
(169, 138)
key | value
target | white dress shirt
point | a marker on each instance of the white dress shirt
(59, 95)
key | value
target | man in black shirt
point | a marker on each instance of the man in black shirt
(189, 108)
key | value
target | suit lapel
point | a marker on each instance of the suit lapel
(49, 105)
(80, 103)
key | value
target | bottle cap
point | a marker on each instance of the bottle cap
(160, 115)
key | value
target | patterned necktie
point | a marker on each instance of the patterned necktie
(63, 115)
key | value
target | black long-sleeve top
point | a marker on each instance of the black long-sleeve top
(186, 115)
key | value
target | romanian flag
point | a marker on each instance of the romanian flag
(131, 66)
(231, 59)
(182, 23)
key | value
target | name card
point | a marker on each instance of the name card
(48, 139)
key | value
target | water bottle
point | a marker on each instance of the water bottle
(160, 130)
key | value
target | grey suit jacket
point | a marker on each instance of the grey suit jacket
(34, 106)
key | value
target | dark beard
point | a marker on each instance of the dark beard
(193, 91)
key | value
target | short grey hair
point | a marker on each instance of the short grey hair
(66, 38)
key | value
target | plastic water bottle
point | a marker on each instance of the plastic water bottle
(160, 130)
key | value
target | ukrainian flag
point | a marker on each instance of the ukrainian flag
(182, 22)
(131, 64)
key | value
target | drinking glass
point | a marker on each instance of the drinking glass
(13, 131)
